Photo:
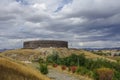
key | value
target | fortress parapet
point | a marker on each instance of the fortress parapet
(45, 44)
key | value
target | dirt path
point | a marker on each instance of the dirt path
(56, 75)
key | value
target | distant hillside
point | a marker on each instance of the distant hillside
(33, 54)
(114, 48)
(2, 50)
(10, 70)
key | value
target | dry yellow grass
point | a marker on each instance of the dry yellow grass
(10, 70)
(114, 58)
(94, 56)
(64, 52)
(22, 51)
(22, 54)
(30, 54)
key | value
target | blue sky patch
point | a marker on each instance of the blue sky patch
(23, 2)
(62, 4)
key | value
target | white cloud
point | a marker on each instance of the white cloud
(40, 6)
(91, 23)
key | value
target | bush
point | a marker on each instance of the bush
(81, 60)
(90, 74)
(73, 69)
(82, 70)
(69, 68)
(63, 67)
(116, 75)
(73, 60)
(43, 68)
(54, 58)
(55, 65)
(104, 74)
(95, 64)
(40, 60)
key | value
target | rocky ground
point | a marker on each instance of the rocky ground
(56, 75)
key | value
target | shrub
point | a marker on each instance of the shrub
(73, 69)
(54, 58)
(81, 60)
(55, 65)
(63, 67)
(90, 74)
(98, 63)
(104, 74)
(117, 75)
(82, 70)
(73, 60)
(69, 68)
(40, 60)
(43, 68)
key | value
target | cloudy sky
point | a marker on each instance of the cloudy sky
(83, 23)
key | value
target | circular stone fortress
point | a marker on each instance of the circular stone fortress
(45, 44)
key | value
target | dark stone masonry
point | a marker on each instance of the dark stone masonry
(45, 44)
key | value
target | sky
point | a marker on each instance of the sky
(83, 23)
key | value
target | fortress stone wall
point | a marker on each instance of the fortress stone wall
(45, 44)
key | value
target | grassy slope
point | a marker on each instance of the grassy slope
(10, 70)
(66, 52)
(115, 58)
(94, 56)
(22, 54)
(25, 54)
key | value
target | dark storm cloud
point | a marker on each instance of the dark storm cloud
(6, 18)
(38, 18)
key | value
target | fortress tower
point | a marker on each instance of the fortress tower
(45, 44)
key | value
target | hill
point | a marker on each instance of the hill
(34, 54)
(11, 70)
